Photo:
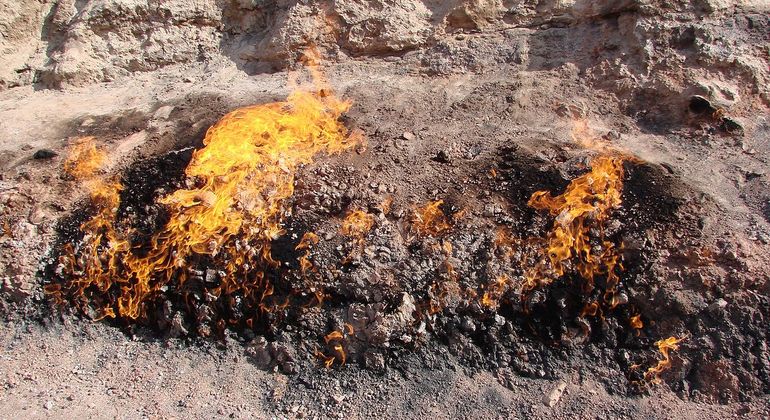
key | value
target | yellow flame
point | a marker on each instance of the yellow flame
(308, 239)
(495, 291)
(591, 309)
(334, 335)
(85, 160)
(241, 178)
(335, 339)
(356, 225)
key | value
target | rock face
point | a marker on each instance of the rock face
(56, 43)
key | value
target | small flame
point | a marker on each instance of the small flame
(495, 291)
(335, 339)
(592, 309)
(357, 224)
(665, 346)
(334, 335)
(85, 160)
(430, 220)
(308, 240)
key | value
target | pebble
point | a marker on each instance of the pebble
(45, 154)
(443, 157)
(718, 305)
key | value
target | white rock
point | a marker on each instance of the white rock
(552, 398)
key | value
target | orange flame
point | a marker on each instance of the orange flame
(430, 220)
(308, 239)
(357, 224)
(665, 346)
(495, 291)
(242, 176)
(334, 335)
(335, 338)
(587, 202)
(85, 160)
(592, 309)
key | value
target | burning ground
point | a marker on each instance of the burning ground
(409, 229)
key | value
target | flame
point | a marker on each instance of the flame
(334, 335)
(505, 241)
(665, 346)
(636, 323)
(308, 240)
(327, 361)
(85, 160)
(592, 309)
(495, 291)
(430, 220)
(357, 224)
(241, 179)
(587, 202)
(84, 163)
(335, 340)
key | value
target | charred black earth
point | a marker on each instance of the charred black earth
(395, 295)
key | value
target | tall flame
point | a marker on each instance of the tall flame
(242, 177)
(587, 202)
(583, 208)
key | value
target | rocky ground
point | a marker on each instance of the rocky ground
(472, 103)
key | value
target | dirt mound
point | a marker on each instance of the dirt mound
(439, 245)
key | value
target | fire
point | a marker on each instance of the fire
(505, 242)
(84, 163)
(652, 375)
(493, 294)
(636, 323)
(592, 309)
(241, 179)
(85, 160)
(308, 240)
(357, 224)
(430, 220)
(334, 335)
(335, 340)
(587, 203)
